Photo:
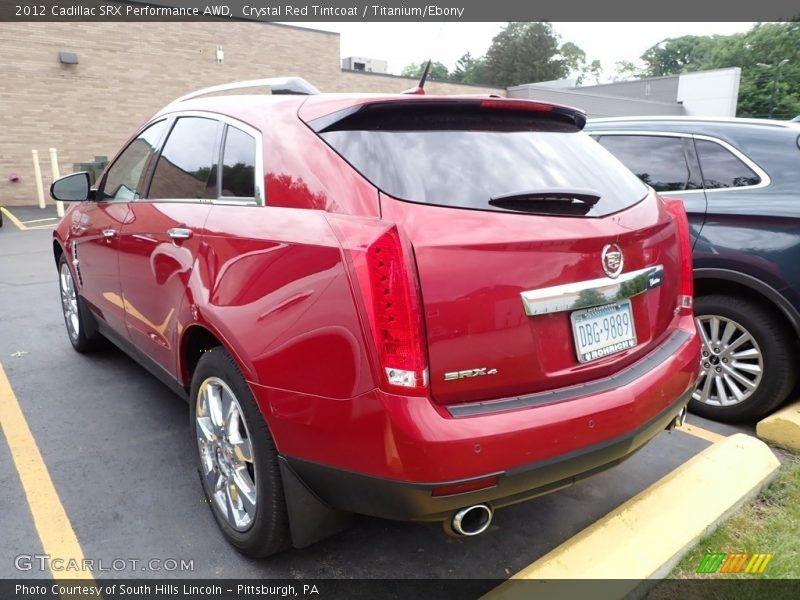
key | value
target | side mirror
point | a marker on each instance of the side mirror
(71, 188)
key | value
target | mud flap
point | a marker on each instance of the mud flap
(310, 518)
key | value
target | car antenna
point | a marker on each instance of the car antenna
(420, 89)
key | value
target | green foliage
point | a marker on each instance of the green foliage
(438, 72)
(470, 70)
(525, 53)
(763, 86)
(520, 53)
(624, 70)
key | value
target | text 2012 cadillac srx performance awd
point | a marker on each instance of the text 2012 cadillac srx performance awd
(415, 307)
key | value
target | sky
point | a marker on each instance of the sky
(404, 43)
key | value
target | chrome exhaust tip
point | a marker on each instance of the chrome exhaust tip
(472, 520)
(679, 419)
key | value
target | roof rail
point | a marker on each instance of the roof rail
(279, 85)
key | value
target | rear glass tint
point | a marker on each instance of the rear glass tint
(465, 156)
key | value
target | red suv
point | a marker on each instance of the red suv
(414, 307)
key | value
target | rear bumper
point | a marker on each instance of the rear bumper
(391, 499)
(382, 454)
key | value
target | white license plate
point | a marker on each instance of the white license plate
(603, 330)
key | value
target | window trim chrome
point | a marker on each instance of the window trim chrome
(260, 193)
(567, 297)
(752, 165)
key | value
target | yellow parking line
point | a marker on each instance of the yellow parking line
(51, 521)
(703, 434)
(13, 219)
(40, 220)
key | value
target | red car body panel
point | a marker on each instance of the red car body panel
(155, 271)
(474, 265)
(277, 286)
(414, 440)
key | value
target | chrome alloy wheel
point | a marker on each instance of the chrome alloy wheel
(69, 302)
(226, 453)
(731, 364)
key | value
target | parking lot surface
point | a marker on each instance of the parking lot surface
(119, 452)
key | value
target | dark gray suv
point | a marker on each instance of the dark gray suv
(739, 180)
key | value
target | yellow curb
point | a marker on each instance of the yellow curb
(646, 536)
(782, 428)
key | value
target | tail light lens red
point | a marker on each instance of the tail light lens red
(385, 273)
(686, 290)
(396, 322)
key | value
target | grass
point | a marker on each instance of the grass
(769, 524)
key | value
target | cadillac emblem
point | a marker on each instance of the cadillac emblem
(612, 260)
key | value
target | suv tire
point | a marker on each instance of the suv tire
(754, 356)
(238, 461)
(81, 328)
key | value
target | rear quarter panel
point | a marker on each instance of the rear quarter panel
(272, 283)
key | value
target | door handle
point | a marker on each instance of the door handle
(109, 233)
(179, 233)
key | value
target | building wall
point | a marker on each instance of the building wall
(710, 93)
(596, 105)
(128, 71)
(654, 89)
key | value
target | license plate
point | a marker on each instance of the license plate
(603, 330)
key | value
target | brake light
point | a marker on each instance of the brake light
(517, 105)
(396, 314)
(686, 290)
(385, 274)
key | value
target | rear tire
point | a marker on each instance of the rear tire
(238, 461)
(748, 362)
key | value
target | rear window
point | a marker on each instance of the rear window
(463, 156)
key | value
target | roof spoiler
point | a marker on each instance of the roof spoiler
(353, 116)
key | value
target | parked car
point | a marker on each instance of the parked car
(740, 182)
(413, 307)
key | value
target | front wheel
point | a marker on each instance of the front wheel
(76, 316)
(238, 461)
(747, 365)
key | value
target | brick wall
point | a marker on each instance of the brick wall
(127, 71)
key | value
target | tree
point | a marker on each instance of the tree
(470, 70)
(677, 55)
(625, 70)
(766, 43)
(575, 60)
(525, 53)
(438, 71)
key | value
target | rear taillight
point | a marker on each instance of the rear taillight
(385, 273)
(686, 289)
(517, 105)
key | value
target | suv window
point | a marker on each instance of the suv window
(239, 164)
(124, 180)
(187, 167)
(722, 169)
(659, 161)
(463, 156)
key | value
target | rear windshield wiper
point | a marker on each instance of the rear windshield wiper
(566, 201)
